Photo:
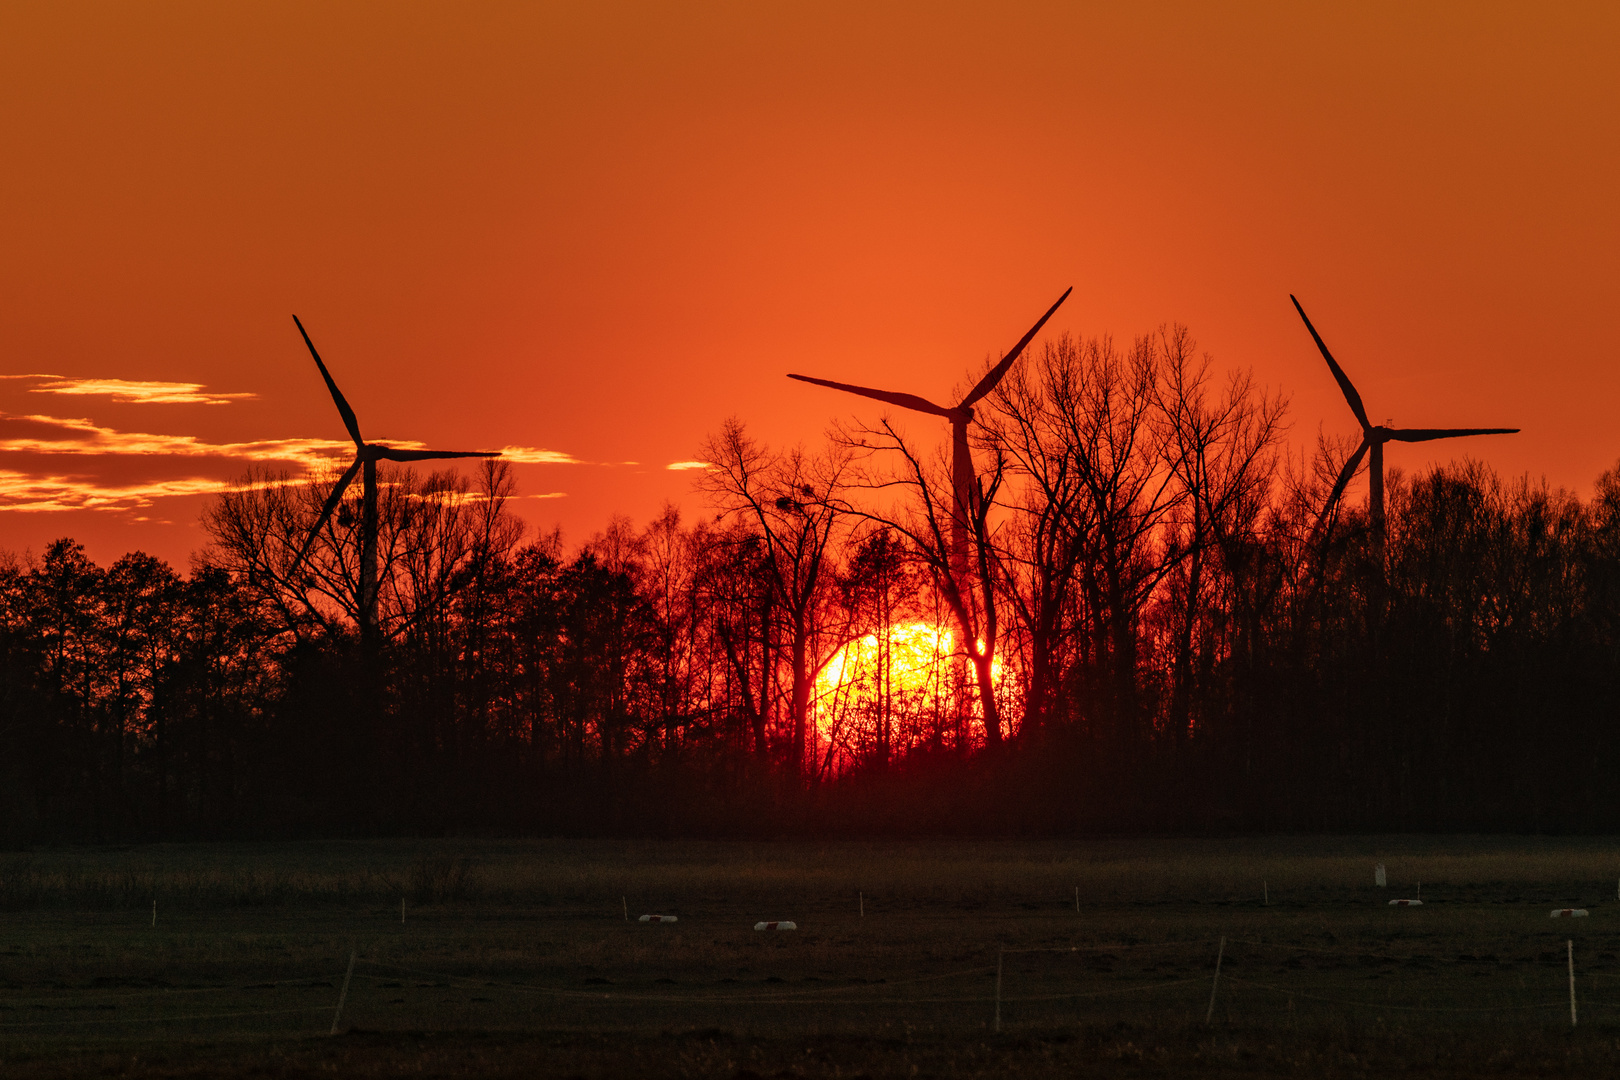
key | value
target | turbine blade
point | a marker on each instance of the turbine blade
(332, 501)
(905, 401)
(1349, 390)
(1426, 434)
(1343, 482)
(994, 375)
(389, 453)
(344, 411)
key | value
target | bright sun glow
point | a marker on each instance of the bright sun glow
(885, 694)
(915, 651)
(917, 657)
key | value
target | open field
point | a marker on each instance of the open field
(516, 958)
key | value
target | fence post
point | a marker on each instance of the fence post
(1210, 1015)
(999, 954)
(343, 994)
(1571, 944)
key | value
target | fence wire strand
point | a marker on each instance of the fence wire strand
(168, 1019)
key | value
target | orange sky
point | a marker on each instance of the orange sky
(597, 230)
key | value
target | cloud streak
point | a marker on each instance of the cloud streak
(34, 494)
(131, 391)
(529, 455)
(57, 435)
(63, 488)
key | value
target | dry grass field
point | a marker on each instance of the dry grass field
(516, 958)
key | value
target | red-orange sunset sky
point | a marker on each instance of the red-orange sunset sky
(592, 231)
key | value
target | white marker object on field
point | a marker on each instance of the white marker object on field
(860, 898)
(1077, 899)
(1570, 913)
(154, 914)
(658, 918)
(776, 926)
(626, 904)
(1378, 876)
(402, 911)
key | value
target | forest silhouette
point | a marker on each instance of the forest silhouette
(1188, 635)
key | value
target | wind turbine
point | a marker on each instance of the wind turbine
(1373, 438)
(366, 456)
(963, 479)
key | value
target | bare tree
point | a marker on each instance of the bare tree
(792, 501)
(926, 515)
(1222, 452)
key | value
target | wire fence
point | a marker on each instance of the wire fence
(1033, 987)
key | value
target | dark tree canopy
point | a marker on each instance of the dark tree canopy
(1157, 630)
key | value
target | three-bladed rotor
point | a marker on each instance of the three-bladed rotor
(1373, 438)
(963, 479)
(366, 456)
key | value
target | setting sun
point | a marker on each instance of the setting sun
(915, 656)
(880, 692)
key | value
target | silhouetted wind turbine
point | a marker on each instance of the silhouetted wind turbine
(964, 481)
(366, 456)
(1373, 438)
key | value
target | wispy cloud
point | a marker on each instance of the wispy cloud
(56, 435)
(530, 455)
(680, 466)
(131, 391)
(59, 471)
(32, 493)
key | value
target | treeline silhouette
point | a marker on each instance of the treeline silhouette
(1180, 643)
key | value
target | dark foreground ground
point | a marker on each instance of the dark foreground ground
(969, 960)
(1113, 1051)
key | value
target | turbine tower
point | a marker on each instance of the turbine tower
(1373, 438)
(964, 480)
(366, 456)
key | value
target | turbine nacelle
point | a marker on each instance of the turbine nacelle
(1374, 435)
(960, 416)
(366, 456)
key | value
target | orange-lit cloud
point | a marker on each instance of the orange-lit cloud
(33, 494)
(87, 485)
(132, 391)
(680, 466)
(58, 435)
(526, 455)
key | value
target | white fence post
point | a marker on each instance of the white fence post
(1210, 1015)
(343, 994)
(1571, 944)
